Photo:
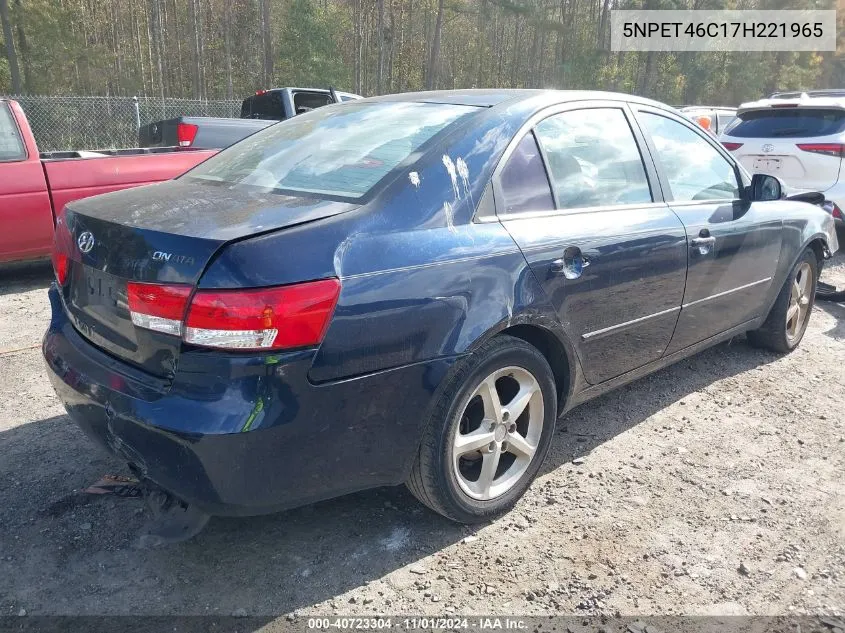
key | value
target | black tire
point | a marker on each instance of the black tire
(432, 479)
(773, 333)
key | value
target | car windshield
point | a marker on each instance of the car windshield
(788, 123)
(336, 150)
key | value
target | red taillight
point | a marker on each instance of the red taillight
(260, 92)
(60, 265)
(828, 149)
(731, 147)
(274, 318)
(61, 249)
(186, 133)
(284, 317)
(157, 307)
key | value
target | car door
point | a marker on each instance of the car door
(733, 245)
(609, 253)
(26, 219)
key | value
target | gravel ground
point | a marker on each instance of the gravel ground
(716, 486)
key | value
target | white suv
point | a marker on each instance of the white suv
(798, 137)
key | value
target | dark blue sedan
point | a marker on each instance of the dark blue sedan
(411, 289)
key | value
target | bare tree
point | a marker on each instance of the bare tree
(359, 44)
(267, 42)
(227, 47)
(380, 69)
(11, 54)
(431, 78)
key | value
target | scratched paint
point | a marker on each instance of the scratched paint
(414, 177)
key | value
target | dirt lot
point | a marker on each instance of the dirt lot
(716, 486)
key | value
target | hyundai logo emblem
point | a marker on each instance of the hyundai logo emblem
(768, 147)
(85, 242)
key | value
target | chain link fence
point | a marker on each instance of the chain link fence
(77, 123)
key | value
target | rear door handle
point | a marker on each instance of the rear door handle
(571, 265)
(704, 245)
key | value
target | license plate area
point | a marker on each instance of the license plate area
(767, 165)
(94, 288)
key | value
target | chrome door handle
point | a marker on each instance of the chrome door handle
(571, 265)
(704, 245)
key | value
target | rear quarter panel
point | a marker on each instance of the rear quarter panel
(803, 224)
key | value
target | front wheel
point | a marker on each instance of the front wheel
(787, 321)
(488, 434)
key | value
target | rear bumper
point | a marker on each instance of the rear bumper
(241, 435)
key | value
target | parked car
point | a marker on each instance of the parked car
(712, 118)
(258, 111)
(412, 288)
(798, 137)
(33, 186)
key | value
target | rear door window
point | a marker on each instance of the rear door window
(524, 184)
(593, 159)
(788, 123)
(11, 144)
(694, 168)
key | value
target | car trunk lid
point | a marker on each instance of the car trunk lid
(162, 234)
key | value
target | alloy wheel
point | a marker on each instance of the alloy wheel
(799, 302)
(498, 434)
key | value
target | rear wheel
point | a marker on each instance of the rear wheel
(489, 433)
(787, 321)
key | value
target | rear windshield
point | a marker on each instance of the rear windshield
(337, 150)
(266, 106)
(788, 123)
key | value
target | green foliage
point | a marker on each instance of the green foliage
(5, 76)
(198, 48)
(308, 54)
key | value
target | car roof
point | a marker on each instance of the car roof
(490, 97)
(791, 94)
(802, 100)
(695, 108)
(320, 90)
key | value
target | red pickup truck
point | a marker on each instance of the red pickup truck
(33, 186)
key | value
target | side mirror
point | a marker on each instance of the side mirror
(765, 187)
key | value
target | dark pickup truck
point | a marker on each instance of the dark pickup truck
(264, 108)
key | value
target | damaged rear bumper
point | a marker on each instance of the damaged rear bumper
(243, 435)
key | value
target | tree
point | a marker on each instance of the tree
(11, 54)
(229, 48)
(431, 76)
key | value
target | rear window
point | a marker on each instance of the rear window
(266, 106)
(788, 123)
(338, 151)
